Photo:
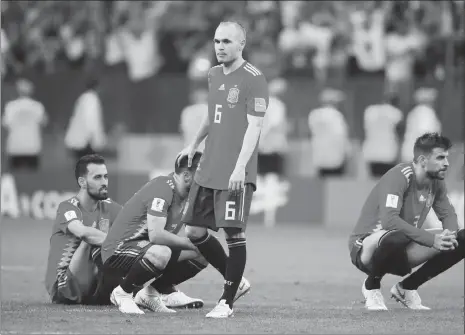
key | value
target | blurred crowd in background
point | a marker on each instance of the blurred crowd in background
(325, 41)
(317, 37)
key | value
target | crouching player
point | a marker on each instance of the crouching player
(389, 238)
(143, 245)
(80, 227)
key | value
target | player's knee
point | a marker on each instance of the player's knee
(394, 239)
(194, 233)
(158, 255)
(234, 233)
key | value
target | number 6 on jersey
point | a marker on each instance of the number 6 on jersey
(217, 118)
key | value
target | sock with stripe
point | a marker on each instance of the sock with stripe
(177, 274)
(213, 251)
(235, 270)
(140, 273)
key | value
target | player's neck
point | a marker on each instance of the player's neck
(421, 177)
(233, 66)
(86, 202)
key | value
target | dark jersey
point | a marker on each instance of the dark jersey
(230, 99)
(159, 198)
(63, 243)
(396, 202)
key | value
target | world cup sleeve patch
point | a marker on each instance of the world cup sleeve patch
(260, 105)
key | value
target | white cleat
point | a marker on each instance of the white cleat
(374, 300)
(150, 299)
(243, 289)
(221, 311)
(409, 298)
(179, 300)
(124, 301)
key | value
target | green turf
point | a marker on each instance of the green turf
(302, 282)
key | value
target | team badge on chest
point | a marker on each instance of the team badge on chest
(103, 225)
(233, 95)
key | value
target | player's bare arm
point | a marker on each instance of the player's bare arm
(237, 180)
(158, 235)
(90, 235)
(190, 150)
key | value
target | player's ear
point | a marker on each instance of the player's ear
(242, 45)
(422, 160)
(82, 182)
(187, 176)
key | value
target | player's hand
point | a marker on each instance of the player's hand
(443, 242)
(188, 151)
(237, 179)
(453, 235)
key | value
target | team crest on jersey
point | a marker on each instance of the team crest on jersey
(104, 225)
(233, 95)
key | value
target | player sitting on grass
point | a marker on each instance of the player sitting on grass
(389, 238)
(80, 227)
(143, 245)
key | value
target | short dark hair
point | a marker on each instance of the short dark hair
(84, 161)
(181, 166)
(426, 143)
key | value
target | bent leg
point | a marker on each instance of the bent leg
(436, 265)
(83, 268)
(419, 254)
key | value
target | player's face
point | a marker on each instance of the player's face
(228, 43)
(97, 181)
(437, 164)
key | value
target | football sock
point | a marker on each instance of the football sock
(177, 274)
(433, 267)
(389, 257)
(235, 270)
(140, 273)
(213, 251)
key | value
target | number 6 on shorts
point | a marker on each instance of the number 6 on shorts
(230, 212)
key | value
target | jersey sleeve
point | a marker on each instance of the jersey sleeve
(445, 211)
(161, 196)
(66, 213)
(392, 187)
(257, 98)
(209, 78)
(114, 209)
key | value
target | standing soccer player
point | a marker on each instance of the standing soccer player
(226, 178)
(389, 238)
(80, 228)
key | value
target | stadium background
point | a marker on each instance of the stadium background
(149, 111)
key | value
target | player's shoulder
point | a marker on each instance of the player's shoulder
(252, 71)
(69, 209)
(71, 203)
(215, 70)
(402, 171)
(162, 183)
